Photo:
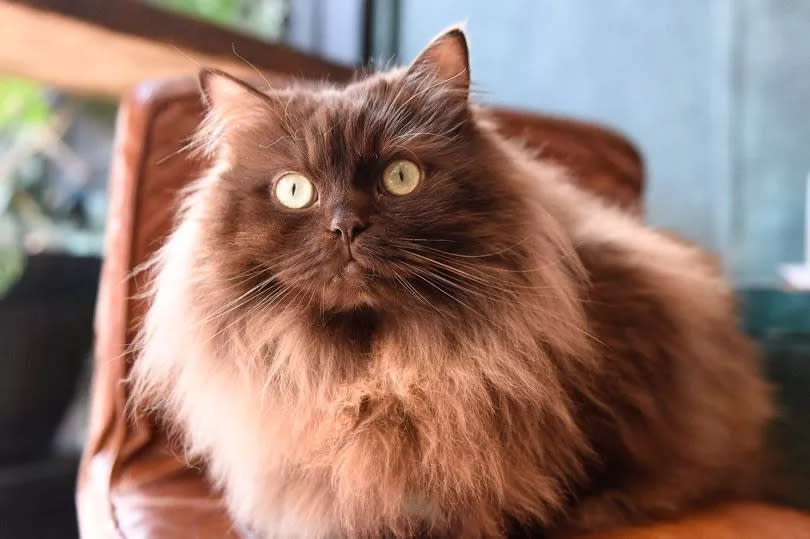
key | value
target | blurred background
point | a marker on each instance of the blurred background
(715, 94)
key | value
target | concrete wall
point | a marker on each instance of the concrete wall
(772, 134)
(715, 92)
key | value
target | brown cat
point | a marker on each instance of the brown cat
(377, 317)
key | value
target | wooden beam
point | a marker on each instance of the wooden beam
(106, 47)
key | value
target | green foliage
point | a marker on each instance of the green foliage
(39, 210)
(218, 11)
(263, 18)
(11, 267)
(22, 103)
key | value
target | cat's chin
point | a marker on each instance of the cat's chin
(346, 294)
(349, 289)
(348, 300)
(351, 275)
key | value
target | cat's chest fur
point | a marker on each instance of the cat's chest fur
(389, 421)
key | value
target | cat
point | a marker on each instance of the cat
(377, 317)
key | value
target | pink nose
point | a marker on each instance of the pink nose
(347, 225)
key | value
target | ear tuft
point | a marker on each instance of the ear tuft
(231, 103)
(224, 93)
(446, 57)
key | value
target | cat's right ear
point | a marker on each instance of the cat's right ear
(231, 104)
(226, 95)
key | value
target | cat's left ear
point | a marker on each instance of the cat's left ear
(446, 58)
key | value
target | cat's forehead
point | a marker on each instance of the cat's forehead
(340, 131)
(337, 126)
(368, 99)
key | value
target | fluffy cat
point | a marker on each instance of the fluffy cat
(377, 317)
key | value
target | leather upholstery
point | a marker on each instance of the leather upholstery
(130, 483)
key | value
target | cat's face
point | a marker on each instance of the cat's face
(365, 195)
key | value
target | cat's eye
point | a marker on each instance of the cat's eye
(295, 191)
(401, 177)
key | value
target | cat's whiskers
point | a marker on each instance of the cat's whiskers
(526, 305)
(249, 271)
(237, 302)
(461, 287)
(302, 305)
(480, 277)
(300, 267)
(413, 291)
(410, 135)
(271, 144)
(323, 294)
(289, 303)
(252, 66)
(543, 267)
(490, 322)
(241, 319)
(420, 271)
(500, 295)
(486, 255)
(483, 271)
(272, 299)
(449, 267)
(255, 293)
(425, 239)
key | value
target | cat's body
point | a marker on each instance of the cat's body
(504, 351)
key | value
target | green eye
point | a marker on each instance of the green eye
(401, 177)
(294, 191)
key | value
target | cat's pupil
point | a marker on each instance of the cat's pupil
(401, 175)
(293, 190)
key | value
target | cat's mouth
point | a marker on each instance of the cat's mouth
(350, 286)
(351, 272)
(351, 268)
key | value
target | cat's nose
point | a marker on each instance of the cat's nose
(348, 226)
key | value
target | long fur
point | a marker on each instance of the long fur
(519, 354)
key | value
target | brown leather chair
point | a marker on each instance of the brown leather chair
(130, 483)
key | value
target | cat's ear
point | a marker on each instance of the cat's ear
(225, 95)
(446, 58)
(231, 104)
